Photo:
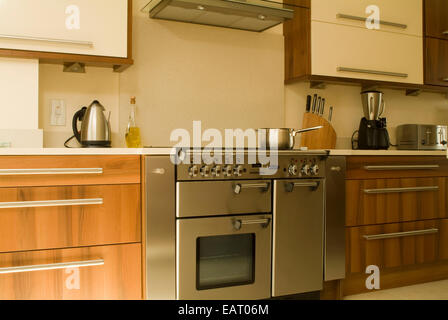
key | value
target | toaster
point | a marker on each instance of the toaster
(421, 137)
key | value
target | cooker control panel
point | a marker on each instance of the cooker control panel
(286, 167)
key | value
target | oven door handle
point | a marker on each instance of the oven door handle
(237, 188)
(238, 224)
(314, 185)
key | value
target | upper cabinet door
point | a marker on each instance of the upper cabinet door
(87, 27)
(436, 14)
(401, 16)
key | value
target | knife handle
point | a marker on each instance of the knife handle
(308, 103)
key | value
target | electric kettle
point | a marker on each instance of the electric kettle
(95, 127)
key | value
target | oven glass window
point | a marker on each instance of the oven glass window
(225, 261)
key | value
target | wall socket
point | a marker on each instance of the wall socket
(58, 113)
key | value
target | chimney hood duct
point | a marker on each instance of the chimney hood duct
(251, 15)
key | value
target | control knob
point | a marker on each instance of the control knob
(293, 170)
(216, 171)
(205, 171)
(238, 171)
(306, 170)
(228, 171)
(315, 170)
(193, 171)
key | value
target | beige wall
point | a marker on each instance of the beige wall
(77, 90)
(185, 72)
(428, 108)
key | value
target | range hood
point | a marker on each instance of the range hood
(251, 15)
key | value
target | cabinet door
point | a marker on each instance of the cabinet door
(436, 22)
(89, 27)
(400, 16)
(94, 273)
(436, 67)
(349, 52)
(394, 200)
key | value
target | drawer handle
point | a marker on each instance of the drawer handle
(382, 73)
(357, 18)
(55, 171)
(239, 187)
(402, 167)
(238, 224)
(400, 234)
(401, 190)
(313, 185)
(445, 33)
(50, 203)
(53, 266)
(61, 41)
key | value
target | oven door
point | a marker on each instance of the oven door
(224, 258)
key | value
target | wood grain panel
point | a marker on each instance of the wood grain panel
(297, 33)
(436, 22)
(117, 220)
(368, 209)
(118, 279)
(395, 252)
(116, 170)
(356, 167)
(436, 62)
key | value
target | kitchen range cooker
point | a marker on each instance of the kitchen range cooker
(227, 231)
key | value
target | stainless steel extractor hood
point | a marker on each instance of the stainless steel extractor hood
(251, 15)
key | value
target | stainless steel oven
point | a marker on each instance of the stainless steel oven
(224, 235)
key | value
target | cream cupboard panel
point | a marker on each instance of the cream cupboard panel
(380, 56)
(402, 12)
(90, 27)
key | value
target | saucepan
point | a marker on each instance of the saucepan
(281, 139)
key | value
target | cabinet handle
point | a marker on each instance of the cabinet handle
(400, 234)
(53, 266)
(357, 18)
(50, 203)
(402, 167)
(238, 224)
(400, 190)
(239, 187)
(381, 73)
(445, 33)
(56, 171)
(61, 41)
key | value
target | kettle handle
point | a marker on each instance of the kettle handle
(78, 117)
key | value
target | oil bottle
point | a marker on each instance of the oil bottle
(133, 137)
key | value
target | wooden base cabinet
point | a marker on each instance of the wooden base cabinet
(94, 273)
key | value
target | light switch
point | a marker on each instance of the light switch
(57, 113)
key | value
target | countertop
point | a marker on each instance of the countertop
(167, 151)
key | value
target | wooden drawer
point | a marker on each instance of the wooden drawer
(396, 167)
(23, 171)
(110, 272)
(391, 13)
(381, 56)
(59, 217)
(436, 23)
(395, 200)
(396, 245)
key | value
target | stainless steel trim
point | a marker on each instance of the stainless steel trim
(238, 224)
(50, 171)
(50, 203)
(52, 266)
(401, 190)
(357, 18)
(239, 187)
(381, 73)
(62, 41)
(402, 167)
(400, 234)
(160, 224)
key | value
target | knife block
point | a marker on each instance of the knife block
(324, 138)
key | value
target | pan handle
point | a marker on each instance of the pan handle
(295, 132)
